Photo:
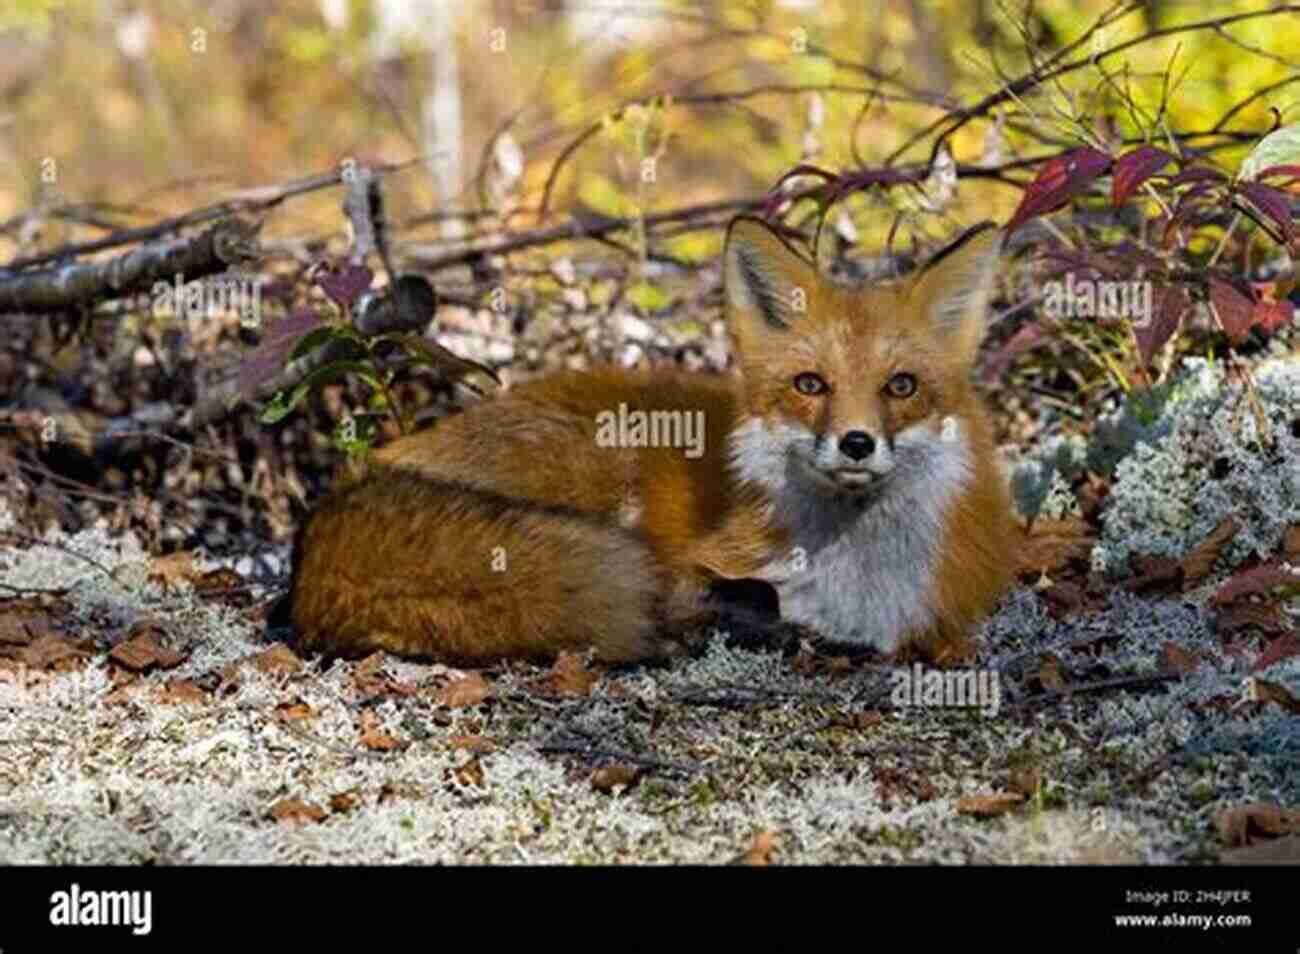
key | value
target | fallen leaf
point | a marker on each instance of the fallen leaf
(569, 676)
(469, 691)
(1266, 691)
(1154, 574)
(471, 773)
(293, 711)
(1291, 543)
(1198, 564)
(1279, 851)
(142, 652)
(220, 580)
(181, 691)
(1051, 675)
(52, 652)
(1247, 823)
(173, 569)
(19, 629)
(297, 811)
(278, 658)
(472, 743)
(1062, 598)
(605, 779)
(1257, 581)
(1053, 545)
(1284, 647)
(370, 677)
(989, 806)
(344, 801)
(373, 737)
(1025, 781)
(760, 850)
(1173, 658)
(1269, 617)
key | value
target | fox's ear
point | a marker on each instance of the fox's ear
(955, 286)
(766, 281)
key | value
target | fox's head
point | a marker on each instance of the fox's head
(850, 389)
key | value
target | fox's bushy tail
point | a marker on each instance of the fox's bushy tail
(444, 570)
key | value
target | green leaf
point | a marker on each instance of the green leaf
(285, 401)
(647, 297)
(314, 339)
(1281, 147)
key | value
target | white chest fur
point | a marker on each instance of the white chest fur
(860, 572)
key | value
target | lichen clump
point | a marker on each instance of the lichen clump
(1207, 460)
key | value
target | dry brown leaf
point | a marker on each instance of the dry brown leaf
(459, 693)
(1266, 691)
(1257, 581)
(19, 629)
(295, 810)
(1198, 564)
(760, 850)
(1154, 574)
(176, 691)
(344, 801)
(1278, 851)
(1052, 545)
(373, 737)
(1268, 617)
(220, 580)
(989, 806)
(1173, 658)
(295, 711)
(173, 568)
(142, 652)
(1291, 544)
(1051, 674)
(471, 773)
(472, 743)
(1025, 781)
(277, 658)
(606, 778)
(52, 651)
(1247, 823)
(569, 676)
(1284, 647)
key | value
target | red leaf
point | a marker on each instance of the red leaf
(1284, 647)
(1136, 167)
(345, 285)
(1272, 315)
(1293, 171)
(1029, 336)
(1235, 307)
(1197, 173)
(1057, 182)
(267, 359)
(1168, 308)
(1274, 203)
(1259, 580)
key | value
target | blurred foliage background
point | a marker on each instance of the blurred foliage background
(131, 111)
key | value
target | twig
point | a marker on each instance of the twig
(591, 752)
(1101, 685)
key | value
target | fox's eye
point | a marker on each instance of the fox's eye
(809, 383)
(901, 385)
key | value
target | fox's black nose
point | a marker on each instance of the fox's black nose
(856, 445)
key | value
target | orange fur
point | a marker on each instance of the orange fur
(512, 531)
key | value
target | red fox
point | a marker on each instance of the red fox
(849, 465)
